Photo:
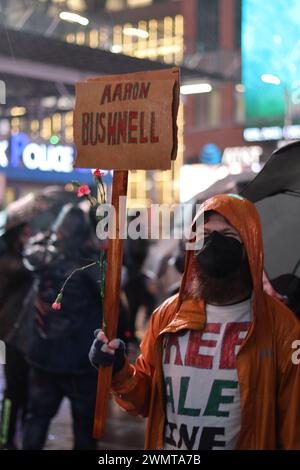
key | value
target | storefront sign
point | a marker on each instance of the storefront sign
(256, 134)
(22, 159)
(20, 152)
(127, 121)
(48, 157)
(244, 155)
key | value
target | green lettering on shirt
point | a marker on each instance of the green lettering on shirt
(182, 410)
(216, 398)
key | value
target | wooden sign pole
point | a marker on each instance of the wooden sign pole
(111, 298)
(123, 122)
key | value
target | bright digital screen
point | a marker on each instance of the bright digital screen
(271, 57)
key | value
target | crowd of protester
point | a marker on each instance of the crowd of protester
(47, 344)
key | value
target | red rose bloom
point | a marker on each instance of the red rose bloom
(56, 306)
(98, 173)
(83, 190)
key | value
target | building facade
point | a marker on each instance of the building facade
(200, 34)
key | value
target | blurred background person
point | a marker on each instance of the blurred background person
(139, 285)
(58, 352)
(16, 291)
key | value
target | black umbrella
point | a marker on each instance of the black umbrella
(276, 194)
(40, 209)
(233, 183)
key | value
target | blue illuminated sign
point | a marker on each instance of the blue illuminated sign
(23, 160)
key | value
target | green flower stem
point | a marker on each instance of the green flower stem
(59, 297)
(102, 259)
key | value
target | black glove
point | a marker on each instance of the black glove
(104, 353)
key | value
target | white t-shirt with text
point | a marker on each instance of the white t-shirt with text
(201, 383)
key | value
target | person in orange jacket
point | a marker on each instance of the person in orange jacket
(218, 367)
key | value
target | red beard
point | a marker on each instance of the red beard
(225, 291)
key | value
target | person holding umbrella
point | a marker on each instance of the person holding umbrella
(16, 287)
(216, 368)
(18, 290)
(66, 262)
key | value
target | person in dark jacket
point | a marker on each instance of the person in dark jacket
(58, 352)
(16, 283)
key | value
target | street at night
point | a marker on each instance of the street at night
(149, 232)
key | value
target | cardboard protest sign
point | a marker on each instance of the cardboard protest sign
(125, 122)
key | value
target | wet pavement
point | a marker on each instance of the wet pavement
(124, 432)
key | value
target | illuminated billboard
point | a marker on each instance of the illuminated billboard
(271, 58)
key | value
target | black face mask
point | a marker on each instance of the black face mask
(220, 255)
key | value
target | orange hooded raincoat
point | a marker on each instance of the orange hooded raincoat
(269, 381)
